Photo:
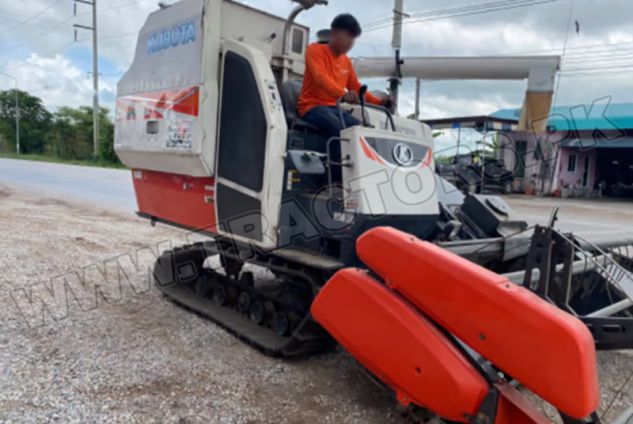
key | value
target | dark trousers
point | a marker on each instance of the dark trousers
(328, 120)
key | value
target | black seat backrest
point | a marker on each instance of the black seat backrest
(290, 92)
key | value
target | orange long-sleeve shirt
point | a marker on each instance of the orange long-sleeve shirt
(327, 77)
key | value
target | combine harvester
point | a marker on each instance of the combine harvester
(206, 119)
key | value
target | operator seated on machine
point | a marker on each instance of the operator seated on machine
(330, 76)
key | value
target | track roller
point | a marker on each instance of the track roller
(273, 317)
(220, 295)
(281, 323)
(204, 285)
(257, 311)
(244, 301)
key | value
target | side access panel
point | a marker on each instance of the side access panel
(398, 345)
(251, 144)
(546, 349)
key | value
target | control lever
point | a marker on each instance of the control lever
(361, 93)
(340, 113)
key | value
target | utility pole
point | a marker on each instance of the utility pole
(418, 89)
(396, 43)
(398, 13)
(17, 112)
(95, 72)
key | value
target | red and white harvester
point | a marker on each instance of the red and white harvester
(443, 297)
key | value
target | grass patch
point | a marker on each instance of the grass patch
(43, 158)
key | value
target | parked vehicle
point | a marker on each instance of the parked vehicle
(475, 173)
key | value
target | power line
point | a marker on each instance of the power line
(388, 21)
(588, 50)
(37, 37)
(119, 6)
(628, 67)
(581, 51)
(463, 11)
(101, 10)
(599, 46)
(32, 17)
(602, 47)
(612, 74)
(606, 56)
(600, 55)
(602, 61)
(27, 27)
(70, 44)
(601, 65)
(479, 12)
(607, 67)
(598, 74)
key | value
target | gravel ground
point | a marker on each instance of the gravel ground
(125, 354)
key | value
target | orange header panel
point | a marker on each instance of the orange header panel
(546, 349)
(398, 345)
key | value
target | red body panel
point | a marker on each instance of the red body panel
(547, 350)
(179, 199)
(157, 103)
(399, 345)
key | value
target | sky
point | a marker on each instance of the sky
(37, 46)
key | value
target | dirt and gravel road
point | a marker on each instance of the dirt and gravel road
(84, 337)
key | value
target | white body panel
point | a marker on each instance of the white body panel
(375, 184)
(379, 120)
(270, 196)
(151, 131)
(264, 32)
(177, 55)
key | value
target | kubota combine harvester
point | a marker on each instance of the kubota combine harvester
(444, 298)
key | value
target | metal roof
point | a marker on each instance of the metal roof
(583, 117)
(479, 123)
(587, 143)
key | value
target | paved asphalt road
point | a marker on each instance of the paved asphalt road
(106, 188)
(112, 189)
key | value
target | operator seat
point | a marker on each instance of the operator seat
(290, 92)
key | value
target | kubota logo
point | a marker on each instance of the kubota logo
(171, 37)
(403, 154)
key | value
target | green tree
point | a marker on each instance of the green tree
(71, 135)
(106, 138)
(35, 121)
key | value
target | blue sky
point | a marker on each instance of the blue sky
(36, 46)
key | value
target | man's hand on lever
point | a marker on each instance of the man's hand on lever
(351, 97)
(387, 102)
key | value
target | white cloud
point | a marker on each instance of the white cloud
(55, 80)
